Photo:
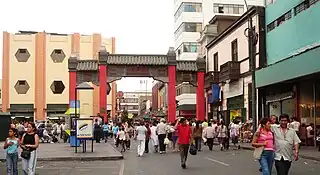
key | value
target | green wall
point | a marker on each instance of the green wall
(299, 31)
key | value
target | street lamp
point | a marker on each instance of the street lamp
(252, 41)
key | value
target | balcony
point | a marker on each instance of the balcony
(211, 78)
(229, 71)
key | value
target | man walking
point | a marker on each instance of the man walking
(285, 140)
(185, 135)
(141, 133)
(162, 133)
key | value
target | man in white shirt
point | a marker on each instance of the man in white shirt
(209, 134)
(162, 129)
(141, 133)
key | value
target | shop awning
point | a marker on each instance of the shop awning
(71, 111)
(304, 63)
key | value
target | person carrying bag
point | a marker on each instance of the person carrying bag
(29, 145)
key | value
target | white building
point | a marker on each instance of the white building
(131, 101)
(228, 54)
(190, 18)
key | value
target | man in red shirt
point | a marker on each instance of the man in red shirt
(184, 139)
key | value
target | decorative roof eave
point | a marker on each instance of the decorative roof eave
(126, 59)
(93, 65)
(183, 65)
(87, 65)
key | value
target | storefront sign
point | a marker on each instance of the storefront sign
(84, 128)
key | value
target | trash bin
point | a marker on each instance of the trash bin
(73, 139)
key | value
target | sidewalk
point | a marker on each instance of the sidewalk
(310, 153)
(63, 152)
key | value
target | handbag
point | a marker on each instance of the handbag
(193, 149)
(26, 154)
(166, 141)
(257, 152)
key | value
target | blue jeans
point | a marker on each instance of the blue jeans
(266, 162)
(198, 143)
(12, 164)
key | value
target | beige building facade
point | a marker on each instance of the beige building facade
(35, 72)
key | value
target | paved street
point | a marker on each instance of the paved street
(217, 162)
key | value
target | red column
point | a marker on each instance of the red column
(103, 91)
(72, 85)
(200, 97)
(171, 93)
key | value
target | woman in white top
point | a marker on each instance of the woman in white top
(154, 137)
(121, 135)
(222, 135)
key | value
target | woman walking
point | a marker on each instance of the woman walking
(264, 138)
(29, 145)
(154, 137)
(222, 135)
(197, 135)
(11, 144)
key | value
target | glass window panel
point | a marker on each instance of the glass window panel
(306, 105)
(231, 9)
(236, 9)
(241, 9)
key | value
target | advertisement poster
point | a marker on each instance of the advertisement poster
(235, 114)
(84, 128)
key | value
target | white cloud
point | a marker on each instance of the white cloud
(140, 26)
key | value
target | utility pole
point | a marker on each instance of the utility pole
(252, 41)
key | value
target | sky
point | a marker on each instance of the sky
(140, 26)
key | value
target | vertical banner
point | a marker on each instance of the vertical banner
(215, 92)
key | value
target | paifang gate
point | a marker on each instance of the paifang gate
(165, 68)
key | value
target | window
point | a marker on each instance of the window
(301, 7)
(188, 7)
(188, 27)
(271, 26)
(22, 82)
(234, 50)
(228, 8)
(190, 47)
(23, 51)
(284, 18)
(57, 87)
(58, 51)
(288, 15)
(215, 62)
(193, 27)
(21, 86)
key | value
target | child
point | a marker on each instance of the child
(121, 136)
(11, 144)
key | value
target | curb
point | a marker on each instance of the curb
(61, 159)
(301, 155)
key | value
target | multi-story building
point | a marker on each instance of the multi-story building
(228, 61)
(134, 102)
(35, 78)
(290, 81)
(190, 18)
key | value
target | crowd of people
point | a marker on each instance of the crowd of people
(273, 141)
